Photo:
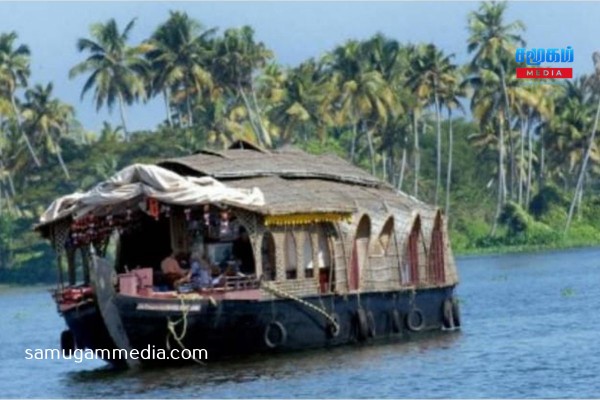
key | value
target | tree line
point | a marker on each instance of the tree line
(388, 106)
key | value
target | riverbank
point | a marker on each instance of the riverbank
(6, 288)
(531, 248)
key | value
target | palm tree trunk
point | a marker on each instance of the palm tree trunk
(258, 112)
(449, 168)
(251, 116)
(529, 163)
(512, 164)
(522, 152)
(507, 116)
(369, 134)
(402, 169)
(579, 186)
(61, 161)
(353, 144)
(417, 154)
(438, 176)
(188, 105)
(56, 147)
(168, 106)
(580, 197)
(502, 165)
(123, 121)
(23, 133)
(501, 179)
(390, 168)
(541, 176)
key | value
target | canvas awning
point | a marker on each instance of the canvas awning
(142, 180)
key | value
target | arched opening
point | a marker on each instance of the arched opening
(410, 270)
(324, 264)
(242, 251)
(77, 268)
(386, 236)
(360, 249)
(291, 263)
(267, 249)
(436, 252)
(307, 256)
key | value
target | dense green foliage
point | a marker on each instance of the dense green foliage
(509, 175)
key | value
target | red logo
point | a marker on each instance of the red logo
(544, 73)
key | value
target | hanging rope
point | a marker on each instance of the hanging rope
(279, 292)
(185, 309)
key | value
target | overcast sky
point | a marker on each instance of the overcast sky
(294, 31)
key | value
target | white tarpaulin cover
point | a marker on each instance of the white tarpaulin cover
(151, 181)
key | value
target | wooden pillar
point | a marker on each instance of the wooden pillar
(85, 261)
(71, 272)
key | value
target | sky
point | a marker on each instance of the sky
(294, 31)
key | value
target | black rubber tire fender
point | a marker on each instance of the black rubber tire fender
(396, 321)
(372, 326)
(456, 312)
(415, 320)
(448, 314)
(276, 329)
(333, 330)
(362, 324)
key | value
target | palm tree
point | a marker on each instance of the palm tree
(307, 102)
(115, 69)
(108, 133)
(395, 144)
(14, 71)
(431, 71)
(494, 44)
(488, 105)
(5, 142)
(450, 98)
(179, 54)
(47, 119)
(365, 98)
(416, 103)
(536, 110)
(594, 83)
(236, 58)
(565, 138)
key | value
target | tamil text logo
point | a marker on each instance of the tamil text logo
(536, 56)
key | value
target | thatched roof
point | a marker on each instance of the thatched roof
(286, 163)
(293, 181)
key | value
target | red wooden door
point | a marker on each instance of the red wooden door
(353, 273)
(413, 255)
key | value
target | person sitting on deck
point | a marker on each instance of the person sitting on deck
(173, 273)
(200, 271)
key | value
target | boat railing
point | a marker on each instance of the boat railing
(245, 282)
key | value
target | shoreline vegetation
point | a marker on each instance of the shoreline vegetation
(514, 166)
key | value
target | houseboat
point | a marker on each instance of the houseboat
(295, 251)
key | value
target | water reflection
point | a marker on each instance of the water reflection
(195, 379)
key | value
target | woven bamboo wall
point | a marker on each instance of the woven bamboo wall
(383, 270)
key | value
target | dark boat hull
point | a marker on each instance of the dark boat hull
(88, 328)
(235, 327)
